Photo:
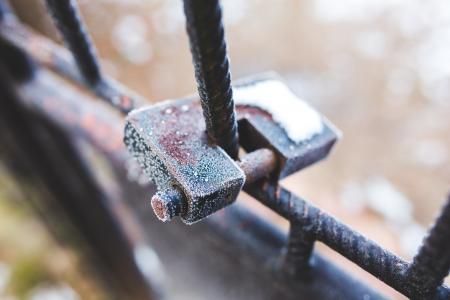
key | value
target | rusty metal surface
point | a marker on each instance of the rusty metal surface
(70, 24)
(170, 142)
(167, 203)
(258, 164)
(48, 53)
(309, 222)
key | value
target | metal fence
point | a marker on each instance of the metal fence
(44, 117)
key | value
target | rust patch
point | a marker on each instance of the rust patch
(159, 208)
(246, 111)
(174, 144)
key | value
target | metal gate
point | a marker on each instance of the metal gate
(50, 114)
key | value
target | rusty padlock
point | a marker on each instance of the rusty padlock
(196, 178)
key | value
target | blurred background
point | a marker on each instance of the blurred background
(378, 69)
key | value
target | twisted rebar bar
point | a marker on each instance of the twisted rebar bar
(432, 263)
(70, 24)
(299, 249)
(208, 48)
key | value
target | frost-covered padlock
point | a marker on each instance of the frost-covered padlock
(195, 178)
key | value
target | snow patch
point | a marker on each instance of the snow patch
(299, 120)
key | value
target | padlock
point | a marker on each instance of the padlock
(196, 178)
(170, 143)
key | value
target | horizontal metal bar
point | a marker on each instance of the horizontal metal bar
(258, 164)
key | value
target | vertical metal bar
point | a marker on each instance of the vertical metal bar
(299, 250)
(70, 24)
(432, 263)
(208, 48)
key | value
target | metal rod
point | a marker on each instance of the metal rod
(299, 250)
(70, 24)
(208, 48)
(432, 263)
(258, 164)
(322, 227)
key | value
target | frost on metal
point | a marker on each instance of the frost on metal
(151, 165)
(299, 120)
(171, 145)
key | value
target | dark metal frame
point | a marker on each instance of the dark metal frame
(297, 272)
